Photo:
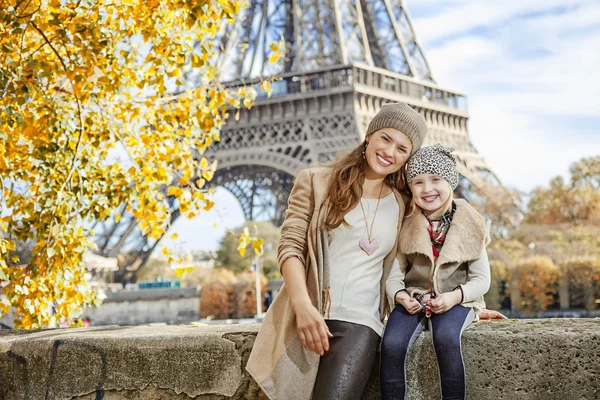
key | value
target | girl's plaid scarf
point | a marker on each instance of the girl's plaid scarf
(438, 233)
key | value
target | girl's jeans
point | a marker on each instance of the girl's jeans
(400, 333)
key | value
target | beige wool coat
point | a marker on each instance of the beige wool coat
(278, 361)
(462, 261)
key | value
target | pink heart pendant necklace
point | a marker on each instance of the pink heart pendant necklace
(369, 245)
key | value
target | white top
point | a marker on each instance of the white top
(355, 276)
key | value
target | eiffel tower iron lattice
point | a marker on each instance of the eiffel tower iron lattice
(344, 59)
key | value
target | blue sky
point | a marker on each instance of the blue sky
(531, 71)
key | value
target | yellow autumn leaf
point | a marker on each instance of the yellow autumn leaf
(209, 205)
(265, 86)
(257, 245)
(174, 236)
(203, 163)
(208, 174)
(174, 191)
(197, 62)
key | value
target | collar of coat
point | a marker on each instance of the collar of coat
(465, 240)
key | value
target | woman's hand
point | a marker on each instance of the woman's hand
(410, 304)
(312, 329)
(445, 301)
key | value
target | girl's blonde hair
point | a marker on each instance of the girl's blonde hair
(345, 184)
(413, 207)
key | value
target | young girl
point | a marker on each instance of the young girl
(338, 243)
(444, 273)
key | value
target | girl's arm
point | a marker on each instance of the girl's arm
(478, 279)
(478, 283)
(395, 288)
(291, 256)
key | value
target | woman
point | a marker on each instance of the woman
(338, 244)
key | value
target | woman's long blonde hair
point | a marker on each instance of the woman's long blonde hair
(345, 184)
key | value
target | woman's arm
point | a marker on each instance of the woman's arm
(293, 241)
(291, 256)
(395, 281)
(312, 329)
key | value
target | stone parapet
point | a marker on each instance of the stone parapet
(516, 359)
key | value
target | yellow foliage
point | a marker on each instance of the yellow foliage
(77, 81)
(180, 271)
(583, 277)
(537, 280)
(499, 273)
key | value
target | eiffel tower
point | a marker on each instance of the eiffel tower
(343, 60)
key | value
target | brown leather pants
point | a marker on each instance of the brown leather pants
(345, 369)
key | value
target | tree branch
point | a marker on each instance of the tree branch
(50, 44)
(81, 127)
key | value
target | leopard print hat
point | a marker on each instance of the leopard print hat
(436, 160)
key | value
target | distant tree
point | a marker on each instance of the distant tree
(502, 206)
(586, 171)
(583, 275)
(218, 297)
(507, 251)
(230, 258)
(495, 296)
(558, 241)
(536, 279)
(247, 295)
(575, 202)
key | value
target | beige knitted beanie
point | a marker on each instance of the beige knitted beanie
(402, 117)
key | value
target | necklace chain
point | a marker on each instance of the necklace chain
(370, 230)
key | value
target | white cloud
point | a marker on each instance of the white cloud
(461, 54)
(564, 82)
(585, 16)
(463, 16)
(521, 151)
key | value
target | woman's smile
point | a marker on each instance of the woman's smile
(383, 161)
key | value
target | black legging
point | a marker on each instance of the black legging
(400, 333)
(345, 369)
